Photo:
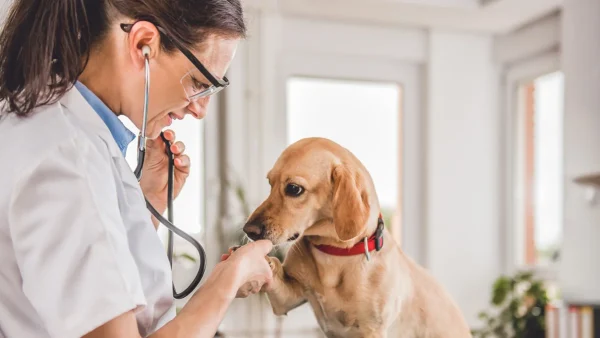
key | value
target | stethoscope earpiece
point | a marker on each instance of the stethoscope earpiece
(146, 51)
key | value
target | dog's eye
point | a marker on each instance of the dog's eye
(293, 190)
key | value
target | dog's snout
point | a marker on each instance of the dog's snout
(255, 230)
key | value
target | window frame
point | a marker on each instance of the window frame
(409, 77)
(516, 75)
(396, 221)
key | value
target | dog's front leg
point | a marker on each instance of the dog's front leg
(381, 334)
(284, 292)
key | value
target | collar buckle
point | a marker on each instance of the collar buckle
(379, 234)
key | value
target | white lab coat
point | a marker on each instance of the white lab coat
(77, 246)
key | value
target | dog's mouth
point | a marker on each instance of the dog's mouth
(293, 238)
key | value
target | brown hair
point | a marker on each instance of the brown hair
(45, 45)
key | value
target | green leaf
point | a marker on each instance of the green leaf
(514, 306)
(524, 276)
(500, 291)
(512, 319)
(187, 256)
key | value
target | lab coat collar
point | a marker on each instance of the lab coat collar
(119, 132)
(77, 105)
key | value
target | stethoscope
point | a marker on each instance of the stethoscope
(138, 173)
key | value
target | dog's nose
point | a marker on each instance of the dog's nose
(255, 230)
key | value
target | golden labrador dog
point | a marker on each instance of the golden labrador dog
(342, 260)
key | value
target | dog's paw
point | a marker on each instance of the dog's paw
(248, 289)
(277, 269)
(274, 263)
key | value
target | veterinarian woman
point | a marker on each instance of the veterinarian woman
(79, 253)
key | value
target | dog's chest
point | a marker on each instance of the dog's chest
(341, 313)
(352, 297)
(337, 318)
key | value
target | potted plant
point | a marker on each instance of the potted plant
(518, 305)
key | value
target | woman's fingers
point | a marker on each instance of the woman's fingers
(177, 148)
(169, 135)
(182, 162)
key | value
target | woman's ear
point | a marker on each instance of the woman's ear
(350, 203)
(143, 36)
(146, 50)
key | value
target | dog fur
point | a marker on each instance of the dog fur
(350, 296)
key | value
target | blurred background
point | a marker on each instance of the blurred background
(474, 118)
(478, 120)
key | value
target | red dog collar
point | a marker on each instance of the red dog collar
(375, 242)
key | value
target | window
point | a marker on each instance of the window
(362, 116)
(189, 205)
(539, 171)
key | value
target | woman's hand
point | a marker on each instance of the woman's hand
(156, 170)
(204, 311)
(253, 266)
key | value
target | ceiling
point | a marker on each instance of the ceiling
(486, 16)
(441, 3)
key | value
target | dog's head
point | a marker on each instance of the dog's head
(318, 188)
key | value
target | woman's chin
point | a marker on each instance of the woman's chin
(154, 128)
(168, 120)
(153, 132)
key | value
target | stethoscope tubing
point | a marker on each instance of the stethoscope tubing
(170, 184)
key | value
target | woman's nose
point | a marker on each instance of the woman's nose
(198, 108)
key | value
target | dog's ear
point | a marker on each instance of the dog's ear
(350, 203)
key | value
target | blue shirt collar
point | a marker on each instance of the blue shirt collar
(123, 136)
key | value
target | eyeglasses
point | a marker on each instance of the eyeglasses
(193, 88)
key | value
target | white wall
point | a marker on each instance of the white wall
(539, 37)
(358, 40)
(463, 151)
(580, 271)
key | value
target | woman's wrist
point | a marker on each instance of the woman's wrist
(226, 278)
(207, 307)
(205, 310)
